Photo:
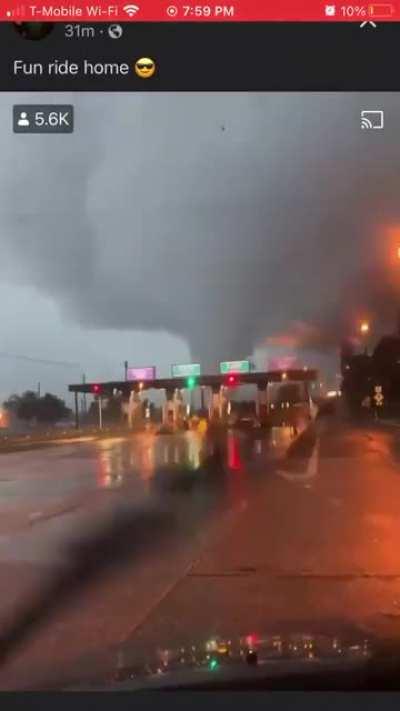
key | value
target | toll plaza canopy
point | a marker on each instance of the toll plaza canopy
(260, 379)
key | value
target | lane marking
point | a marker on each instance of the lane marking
(311, 469)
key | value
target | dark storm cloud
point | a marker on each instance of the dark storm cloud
(151, 216)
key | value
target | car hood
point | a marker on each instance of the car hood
(216, 657)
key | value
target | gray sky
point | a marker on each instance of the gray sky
(178, 226)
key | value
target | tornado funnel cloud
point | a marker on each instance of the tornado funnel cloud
(152, 217)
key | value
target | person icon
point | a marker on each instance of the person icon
(23, 119)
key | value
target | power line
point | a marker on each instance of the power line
(61, 363)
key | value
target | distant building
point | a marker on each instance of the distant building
(363, 373)
(387, 353)
(346, 354)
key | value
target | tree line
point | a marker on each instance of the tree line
(29, 406)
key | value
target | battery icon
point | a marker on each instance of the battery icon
(380, 10)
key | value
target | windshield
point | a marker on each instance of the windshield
(199, 382)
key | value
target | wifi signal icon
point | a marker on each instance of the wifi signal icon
(131, 10)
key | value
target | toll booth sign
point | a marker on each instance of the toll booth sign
(234, 366)
(186, 370)
(146, 373)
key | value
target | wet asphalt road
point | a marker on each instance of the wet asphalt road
(152, 501)
(259, 541)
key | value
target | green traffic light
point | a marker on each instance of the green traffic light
(213, 664)
(191, 383)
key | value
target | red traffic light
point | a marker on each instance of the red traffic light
(231, 380)
(96, 389)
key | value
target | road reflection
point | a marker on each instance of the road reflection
(144, 463)
(149, 456)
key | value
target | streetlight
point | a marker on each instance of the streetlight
(364, 330)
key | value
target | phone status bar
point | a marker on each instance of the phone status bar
(162, 11)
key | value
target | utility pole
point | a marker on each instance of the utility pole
(126, 369)
(38, 389)
(76, 411)
(100, 412)
(84, 396)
